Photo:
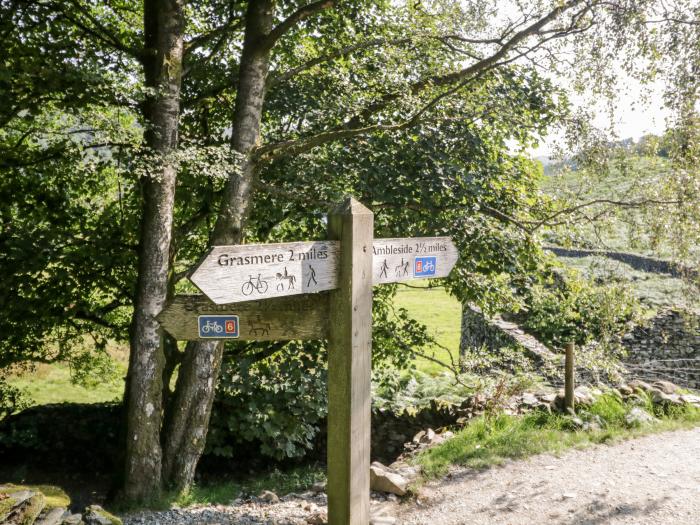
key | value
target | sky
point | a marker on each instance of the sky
(640, 111)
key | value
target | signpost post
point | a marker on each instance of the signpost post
(317, 290)
(349, 367)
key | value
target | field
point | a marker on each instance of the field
(622, 229)
(442, 314)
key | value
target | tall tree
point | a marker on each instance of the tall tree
(162, 57)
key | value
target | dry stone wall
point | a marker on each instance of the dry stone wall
(479, 332)
(666, 347)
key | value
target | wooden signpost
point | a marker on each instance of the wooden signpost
(253, 293)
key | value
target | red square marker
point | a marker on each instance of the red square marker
(231, 327)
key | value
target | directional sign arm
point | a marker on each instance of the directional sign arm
(405, 259)
(281, 319)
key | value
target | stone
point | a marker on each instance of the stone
(625, 390)
(639, 385)
(51, 517)
(382, 479)
(583, 396)
(594, 424)
(409, 472)
(690, 399)
(269, 496)
(529, 399)
(382, 520)
(661, 398)
(96, 515)
(428, 437)
(419, 436)
(666, 386)
(318, 518)
(319, 486)
(638, 416)
(549, 398)
(576, 422)
(73, 519)
(21, 506)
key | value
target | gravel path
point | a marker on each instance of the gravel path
(650, 480)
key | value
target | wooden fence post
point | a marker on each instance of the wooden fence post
(569, 377)
(349, 366)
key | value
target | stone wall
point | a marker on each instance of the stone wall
(636, 261)
(666, 347)
(480, 331)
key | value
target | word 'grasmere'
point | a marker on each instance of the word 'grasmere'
(269, 258)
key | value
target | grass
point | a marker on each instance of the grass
(52, 384)
(489, 441)
(442, 314)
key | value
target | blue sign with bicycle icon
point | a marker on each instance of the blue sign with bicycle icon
(218, 326)
(424, 266)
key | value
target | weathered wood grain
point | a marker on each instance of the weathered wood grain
(247, 272)
(349, 367)
(394, 260)
(281, 319)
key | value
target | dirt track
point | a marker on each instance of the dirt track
(651, 480)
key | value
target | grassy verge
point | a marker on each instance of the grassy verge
(488, 441)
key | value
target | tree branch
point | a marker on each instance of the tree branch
(296, 17)
(482, 65)
(296, 146)
(356, 125)
(99, 30)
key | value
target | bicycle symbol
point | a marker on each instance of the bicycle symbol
(424, 266)
(212, 326)
(252, 285)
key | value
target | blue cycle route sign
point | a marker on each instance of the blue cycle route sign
(218, 326)
(424, 266)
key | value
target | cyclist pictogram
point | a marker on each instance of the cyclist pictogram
(254, 285)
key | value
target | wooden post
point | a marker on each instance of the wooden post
(349, 366)
(569, 377)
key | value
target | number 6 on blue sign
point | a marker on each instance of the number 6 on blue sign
(424, 266)
(218, 326)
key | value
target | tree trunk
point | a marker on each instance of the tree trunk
(186, 428)
(164, 27)
(194, 395)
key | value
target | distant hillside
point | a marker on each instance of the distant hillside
(622, 231)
